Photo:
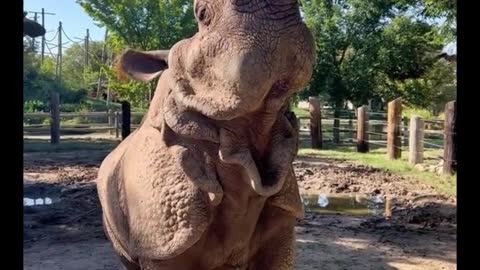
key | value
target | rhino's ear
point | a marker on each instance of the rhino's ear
(143, 66)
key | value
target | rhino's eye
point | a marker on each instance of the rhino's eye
(202, 13)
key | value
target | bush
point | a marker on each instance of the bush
(31, 106)
(423, 113)
(68, 108)
(76, 121)
(89, 105)
(72, 96)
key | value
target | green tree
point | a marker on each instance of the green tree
(347, 35)
(378, 49)
(144, 25)
(368, 49)
(75, 74)
(406, 57)
(446, 9)
(39, 80)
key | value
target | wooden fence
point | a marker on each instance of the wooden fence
(56, 123)
(391, 129)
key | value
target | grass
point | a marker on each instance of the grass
(31, 145)
(101, 104)
(377, 158)
(300, 112)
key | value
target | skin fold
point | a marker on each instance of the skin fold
(207, 181)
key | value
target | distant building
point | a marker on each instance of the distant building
(32, 28)
(449, 52)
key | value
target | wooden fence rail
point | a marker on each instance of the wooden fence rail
(388, 129)
(396, 130)
(115, 123)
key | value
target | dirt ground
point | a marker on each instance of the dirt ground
(421, 234)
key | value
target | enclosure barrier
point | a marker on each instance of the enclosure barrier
(398, 130)
(113, 122)
(389, 127)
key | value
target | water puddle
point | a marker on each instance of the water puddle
(38, 201)
(351, 205)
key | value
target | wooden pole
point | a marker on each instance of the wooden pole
(362, 129)
(33, 39)
(43, 37)
(100, 73)
(415, 155)
(58, 72)
(87, 43)
(117, 124)
(55, 118)
(108, 82)
(125, 119)
(450, 132)
(394, 142)
(315, 122)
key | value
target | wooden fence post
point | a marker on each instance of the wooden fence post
(55, 118)
(415, 155)
(394, 142)
(315, 122)
(449, 142)
(125, 119)
(117, 123)
(362, 129)
(405, 132)
(336, 126)
(350, 125)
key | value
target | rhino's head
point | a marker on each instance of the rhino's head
(244, 50)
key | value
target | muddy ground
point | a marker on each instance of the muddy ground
(421, 233)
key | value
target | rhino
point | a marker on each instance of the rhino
(207, 181)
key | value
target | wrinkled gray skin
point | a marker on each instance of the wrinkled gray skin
(207, 181)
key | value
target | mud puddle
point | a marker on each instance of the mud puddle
(346, 204)
(27, 202)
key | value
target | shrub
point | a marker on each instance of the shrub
(31, 106)
(423, 113)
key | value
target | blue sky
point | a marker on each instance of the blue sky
(74, 20)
